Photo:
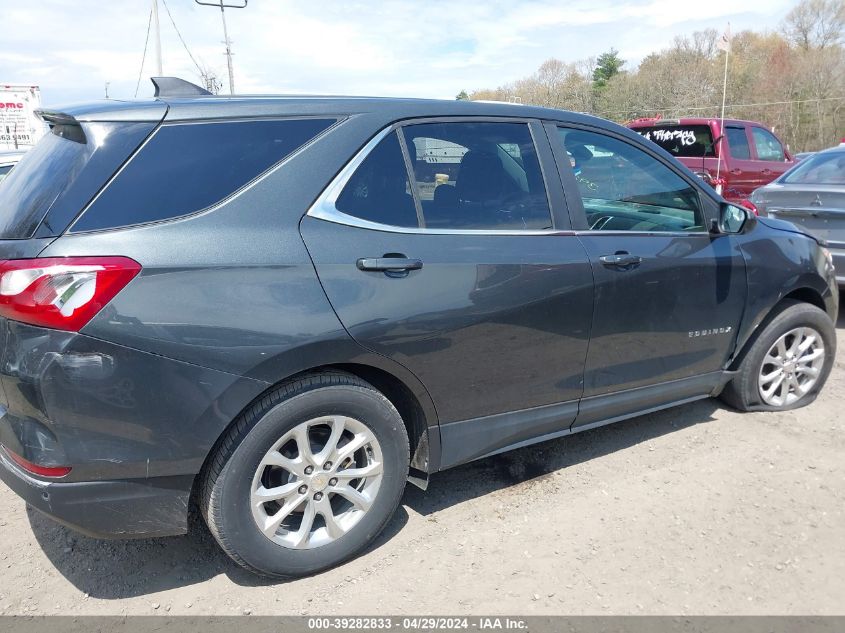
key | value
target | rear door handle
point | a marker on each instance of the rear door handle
(736, 172)
(387, 264)
(621, 260)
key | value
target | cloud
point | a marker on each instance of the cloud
(430, 48)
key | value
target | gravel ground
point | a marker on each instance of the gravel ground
(694, 510)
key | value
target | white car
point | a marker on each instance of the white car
(7, 161)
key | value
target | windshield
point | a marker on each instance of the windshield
(819, 169)
(681, 140)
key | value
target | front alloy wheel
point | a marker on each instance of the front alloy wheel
(791, 367)
(787, 360)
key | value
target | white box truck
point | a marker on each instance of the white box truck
(20, 128)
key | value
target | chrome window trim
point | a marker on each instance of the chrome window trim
(617, 233)
(324, 208)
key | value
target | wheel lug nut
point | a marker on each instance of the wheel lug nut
(318, 496)
(333, 481)
(309, 470)
(303, 490)
(327, 465)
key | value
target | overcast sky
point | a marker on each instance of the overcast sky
(425, 48)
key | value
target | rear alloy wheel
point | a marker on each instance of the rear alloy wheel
(787, 363)
(307, 476)
(302, 498)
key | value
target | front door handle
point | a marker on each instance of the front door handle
(621, 260)
(736, 172)
(389, 264)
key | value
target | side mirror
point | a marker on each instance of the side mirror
(732, 219)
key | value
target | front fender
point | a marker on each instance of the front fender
(780, 264)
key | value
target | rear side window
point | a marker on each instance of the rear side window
(478, 175)
(379, 190)
(685, 141)
(465, 175)
(738, 142)
(188, 167)
(4, 169)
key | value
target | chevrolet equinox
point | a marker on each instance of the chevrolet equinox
(283, 308)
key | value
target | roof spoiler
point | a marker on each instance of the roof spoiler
(63, 125)
(53, 117)
(175, 87)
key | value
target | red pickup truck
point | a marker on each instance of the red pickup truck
(751, 155)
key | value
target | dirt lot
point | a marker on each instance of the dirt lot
(693, 510)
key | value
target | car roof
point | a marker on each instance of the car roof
(212, 107)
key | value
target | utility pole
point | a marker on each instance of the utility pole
(157, 38)
(226, 41)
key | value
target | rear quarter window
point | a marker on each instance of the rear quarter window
(188, 167)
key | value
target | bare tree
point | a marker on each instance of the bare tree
(816, 23)
(210, 79)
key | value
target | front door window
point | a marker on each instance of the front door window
(625, 189)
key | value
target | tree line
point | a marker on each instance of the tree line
(792, 80)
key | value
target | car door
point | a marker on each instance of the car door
(460, 274)
(743, 172)
(669, 296)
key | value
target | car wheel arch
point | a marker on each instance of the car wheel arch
(802, 294)
(806, 295)
(415, 408)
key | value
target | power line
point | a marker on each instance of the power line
(712, 107)
(144, 56)
(187, 50)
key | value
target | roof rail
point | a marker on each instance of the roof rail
(175, 87)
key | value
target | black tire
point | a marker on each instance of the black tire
(227, 477)
(743, 391)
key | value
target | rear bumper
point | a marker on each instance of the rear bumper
(134, 427)
(106, 509)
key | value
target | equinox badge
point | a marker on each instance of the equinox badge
(719, 330)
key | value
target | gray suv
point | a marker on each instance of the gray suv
(283, 308)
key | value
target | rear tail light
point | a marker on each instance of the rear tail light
(750, 206)
(35, 469)
(61, 292)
